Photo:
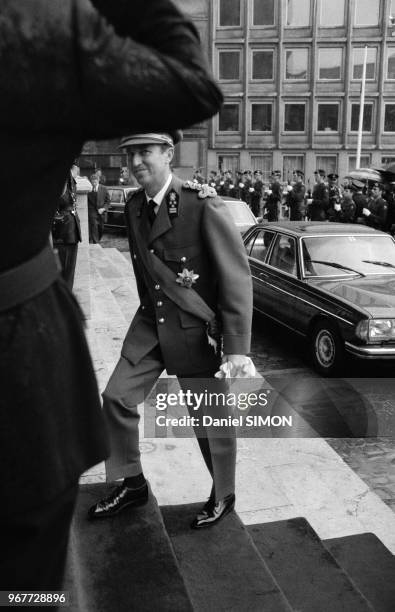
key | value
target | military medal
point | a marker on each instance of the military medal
(172, 200)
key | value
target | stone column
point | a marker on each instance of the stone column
(82, 271)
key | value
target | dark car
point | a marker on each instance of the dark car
(114, 216)
(332, 283)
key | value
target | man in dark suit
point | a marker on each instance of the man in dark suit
(66, 230)
(192, 276)
(318, 208)
(79, 79)
(296, 197)
(98, 202)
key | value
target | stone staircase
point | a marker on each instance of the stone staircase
(148, 558)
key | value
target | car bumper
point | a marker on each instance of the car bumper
(371, 352)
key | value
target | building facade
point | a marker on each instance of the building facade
(291, 73)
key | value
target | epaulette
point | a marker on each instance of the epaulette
(204, 191)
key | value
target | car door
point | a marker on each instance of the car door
(258, 248)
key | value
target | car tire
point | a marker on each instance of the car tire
(326, 349)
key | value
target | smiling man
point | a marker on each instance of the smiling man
(193, 279)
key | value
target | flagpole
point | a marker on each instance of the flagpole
(361, 109)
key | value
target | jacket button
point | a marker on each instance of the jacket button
(143, 308)
(183, 259)
(161, 320)
(159, 304)
(157, 287)
(134, 256)
(152, 251)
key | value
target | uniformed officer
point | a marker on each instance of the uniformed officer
(375, 214)
(273, 201)
(320, 204)
(256, 195)
(296, 197)
(192, 276)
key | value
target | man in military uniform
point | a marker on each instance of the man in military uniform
(335, 197)
(247, 189)
(192, 275)
(375, 214)
(296, 201)
(256, 195)
(320, 204)
(226, 184)
(273, 201)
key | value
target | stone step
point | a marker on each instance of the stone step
(123, 563)
(122, 263)
(309, 576)
(221, 568)
(370, 565)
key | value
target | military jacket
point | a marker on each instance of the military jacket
(195, 237)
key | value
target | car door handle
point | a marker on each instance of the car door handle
(263, 275)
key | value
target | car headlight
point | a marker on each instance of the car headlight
(376, 330)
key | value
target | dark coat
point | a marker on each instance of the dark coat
(320, 204)
(201, 237)
(76, 80)
(296, 202)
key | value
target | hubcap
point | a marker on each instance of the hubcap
(325, 348)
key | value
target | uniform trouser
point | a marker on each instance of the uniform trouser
(34, 545)
(126, 388)
(68, 259)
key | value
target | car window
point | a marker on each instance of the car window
(240, 212)
(116, 195)
(283, 256)
(261, 245)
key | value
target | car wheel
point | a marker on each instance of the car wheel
(327, 349)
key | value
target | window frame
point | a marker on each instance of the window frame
(261, 103)
(336, 103)
(371, 79)
(271, 25)
(340, 25)
(294, 103)
(368, 103)
(384, 114)
(295, 79)
(289, 25)
(238, 105)
(366, 25)
(387, 77)
(339, 78)
(239, 25)
(229, 50)
(262, 50)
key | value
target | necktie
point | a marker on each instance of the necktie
(151, 211)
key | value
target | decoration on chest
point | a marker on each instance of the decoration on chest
(186, 278)
(204, 191)
(172, 201)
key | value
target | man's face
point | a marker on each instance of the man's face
(95, 182)
(376, 192)
(150, 164)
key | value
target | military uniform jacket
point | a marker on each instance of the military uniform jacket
(378, 214)
(199, 236)
(320, 203)
(296, 201)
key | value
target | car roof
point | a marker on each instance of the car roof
(322, 228)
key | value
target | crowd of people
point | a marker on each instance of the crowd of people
(369, 203)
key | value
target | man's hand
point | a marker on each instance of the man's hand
(236, 362)
(101, 211)
(366, 212)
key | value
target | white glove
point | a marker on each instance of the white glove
(289, 188)
(226, 370)
(231, 186)
(309, 200)
(337, 207)
(241, 185)
(366, 212)
(251, 189)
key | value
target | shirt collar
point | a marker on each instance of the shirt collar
(161, 194)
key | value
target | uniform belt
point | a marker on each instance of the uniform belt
(27, 280)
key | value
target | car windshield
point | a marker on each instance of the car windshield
(240, 212)
(348, 255)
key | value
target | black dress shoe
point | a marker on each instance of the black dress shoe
(212, 512)
(120, 498)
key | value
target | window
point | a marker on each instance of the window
(332, 13)
(283, 256)
(367, 117)
(391, 63)
(298, 13)
(262, 65)
(296, 64)
(228, 162)
(229, 118)
(387, 160)
(229, 12)
(328, 118)
(294, 117)
(330, 61)
(291, 163)
(367, 12)
(327, 163)
(264, 163)
(358, 57)
(261, 117)
(352, 162)
(261, 245)
(229, 65)
(389, 118)
(263, 13)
